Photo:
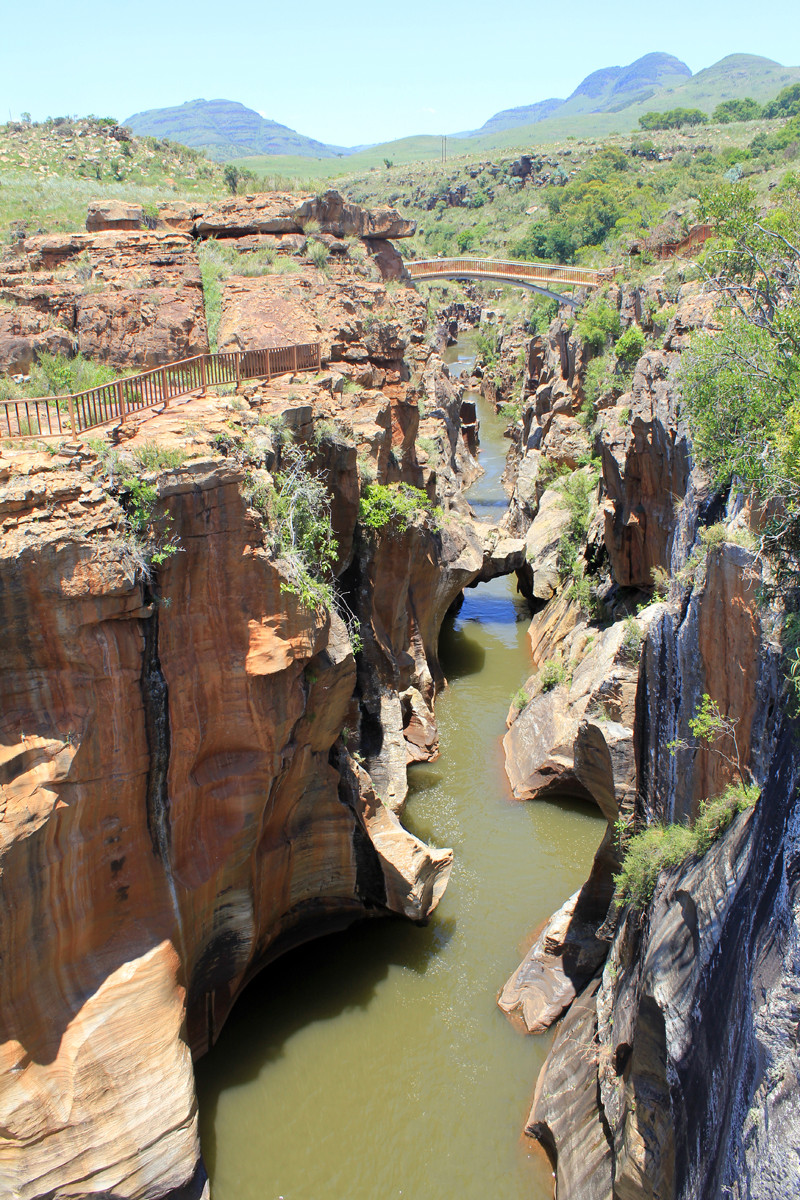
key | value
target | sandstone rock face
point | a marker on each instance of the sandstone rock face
(132, 299)
(175, 784)
(113, 214)
(687, 1004)
(288, 212)
(645, 473)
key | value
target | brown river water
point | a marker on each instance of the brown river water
(375, 1064)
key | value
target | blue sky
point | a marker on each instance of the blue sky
(360, 72)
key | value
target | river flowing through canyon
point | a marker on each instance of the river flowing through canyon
(374, 1063)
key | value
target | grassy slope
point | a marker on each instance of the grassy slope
(47, 177)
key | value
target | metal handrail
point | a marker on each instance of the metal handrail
(51, 416)
(506, 269)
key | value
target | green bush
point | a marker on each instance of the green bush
(673, 119)
(520, 699)
(597, 323)
(295, 507)
(630, 346)
(660, 847)
(551, 675)
(153, 457)
(318, 253)
(736, 110)
(785, 104)
(397, 506)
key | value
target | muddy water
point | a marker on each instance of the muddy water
(374, 1063)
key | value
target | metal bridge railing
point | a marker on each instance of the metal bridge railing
(54, 415)
(495, 268)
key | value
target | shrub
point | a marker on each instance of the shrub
(296, 509)
(597, 323)
(630, 346)
(231, 176)
(661, 582)
(520, 699)
(744, 109)
(660, 847)
(673, 118)
(152, 457)
(318, 253)
(551, 675)
(632, 639)
(397, 506)
(486, 344)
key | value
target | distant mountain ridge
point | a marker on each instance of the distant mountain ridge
(612, 96)
(226, 129)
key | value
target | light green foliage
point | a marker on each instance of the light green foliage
(149, 536)
(153, 457)
(660, 847)
(55, 375)
(541, 312)
(486, 344)
(552, 675)
(744, 109)
(396, 506)
(632, 639)
(630, 346)
(598, 323)
(673, 118)
(520, 699)
(295, 507)
(318, 253)
(741, 387)
(430, 447)
(576, 491)
(713, 729)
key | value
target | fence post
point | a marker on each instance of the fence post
(71, 404)
(294, 358)
(269, 372)
(319, 356)
(203, 371)
(120, 397)
(164, 386)
(238, 369)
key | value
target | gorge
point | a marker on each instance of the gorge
(292, 655)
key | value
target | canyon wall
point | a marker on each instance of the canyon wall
(672, 1073)
(199, 768)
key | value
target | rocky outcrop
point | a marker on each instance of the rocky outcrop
(131, 299)
(646, 467)
(178, 805)
(288, 212)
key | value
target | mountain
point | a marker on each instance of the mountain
(527, 114)
(654, 82)
(226, 129)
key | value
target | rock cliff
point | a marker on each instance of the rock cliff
(201, 768)
(672, 1074)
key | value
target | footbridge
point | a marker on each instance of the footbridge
(543, 278)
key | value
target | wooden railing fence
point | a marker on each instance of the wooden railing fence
(494, 268)
(52, 416)
(697, 236)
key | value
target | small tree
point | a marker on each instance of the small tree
(231, 176)
(708, 726)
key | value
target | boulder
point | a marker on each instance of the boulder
(113, 214)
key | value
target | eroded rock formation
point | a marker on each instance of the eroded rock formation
(198, 770)
(672, 1074)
